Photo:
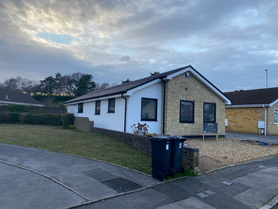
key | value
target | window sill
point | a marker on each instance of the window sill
(97, 114)
(150, 120)
(111, 112)
(187, 122)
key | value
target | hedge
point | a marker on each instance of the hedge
(67, 120)
(17, 108)
(64, 120)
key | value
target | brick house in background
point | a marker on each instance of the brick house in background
(14, 97)
(253, 111)
(174, 102)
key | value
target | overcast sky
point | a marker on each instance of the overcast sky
(230, 42)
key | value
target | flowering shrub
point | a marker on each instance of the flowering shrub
(141, 129)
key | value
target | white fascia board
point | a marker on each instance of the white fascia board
(95, 99)
(130, 92)
(248, 105)
(191, 70)
(169, 77)
(273, 103)
(20, 103)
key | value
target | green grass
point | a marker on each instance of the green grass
(90, 145)
(187, 172)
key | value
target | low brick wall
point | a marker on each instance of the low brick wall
(190, 158)
(139, 142)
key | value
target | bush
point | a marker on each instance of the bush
(13, 117)
(53, 119)
(67, 120)
(37, 119)
(17, 108)
(26, 118)
(3, 117)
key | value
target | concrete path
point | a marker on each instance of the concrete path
(247, 186)
(32, 178)
(253, 137)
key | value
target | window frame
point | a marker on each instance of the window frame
(97, 110)
(109, 105)
(276, 112)
(80, 107)
(193, 111)
(214, 119)
(153, 99)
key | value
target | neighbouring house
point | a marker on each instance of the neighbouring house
(253, 111)
(14, 97)
(174, 102)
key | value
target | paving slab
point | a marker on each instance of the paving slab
(24, 189)
(147, 199)
(191, 203)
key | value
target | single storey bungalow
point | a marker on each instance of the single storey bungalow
(15, 97)
(174, 102)
(253, 111)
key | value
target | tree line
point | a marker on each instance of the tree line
(75, 84)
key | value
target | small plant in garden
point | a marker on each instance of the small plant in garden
(141, 129)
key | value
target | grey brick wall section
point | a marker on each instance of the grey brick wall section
(139, 142)
(83, 124)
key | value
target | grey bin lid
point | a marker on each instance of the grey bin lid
(160, 138)
(178, 137)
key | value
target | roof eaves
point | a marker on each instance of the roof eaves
(90, 98)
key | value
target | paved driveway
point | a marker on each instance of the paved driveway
(32, 178)
(252, 137)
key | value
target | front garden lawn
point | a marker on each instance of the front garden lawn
(90, 145)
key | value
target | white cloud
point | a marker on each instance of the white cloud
(116, 40)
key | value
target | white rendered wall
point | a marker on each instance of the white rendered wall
(134, 108)
(113, 121)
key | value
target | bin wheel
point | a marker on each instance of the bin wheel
(172, 172)
(160, 176)
(182, 169)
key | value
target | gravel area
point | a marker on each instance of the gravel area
(230, 151)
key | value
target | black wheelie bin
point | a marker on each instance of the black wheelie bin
(176, 154)
(161, 154)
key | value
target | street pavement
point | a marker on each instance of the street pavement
(249, 185)
(33, 178)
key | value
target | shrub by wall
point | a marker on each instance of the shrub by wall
(67, 119)
(13, 117)
(26, 118)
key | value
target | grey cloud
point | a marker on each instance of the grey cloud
(125, 59)
(158, 35)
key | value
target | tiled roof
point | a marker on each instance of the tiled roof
(256, 96)
(123, 88)
(12, 96)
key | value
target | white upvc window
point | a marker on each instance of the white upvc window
(276, 115)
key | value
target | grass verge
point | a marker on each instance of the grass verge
(90, 145)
